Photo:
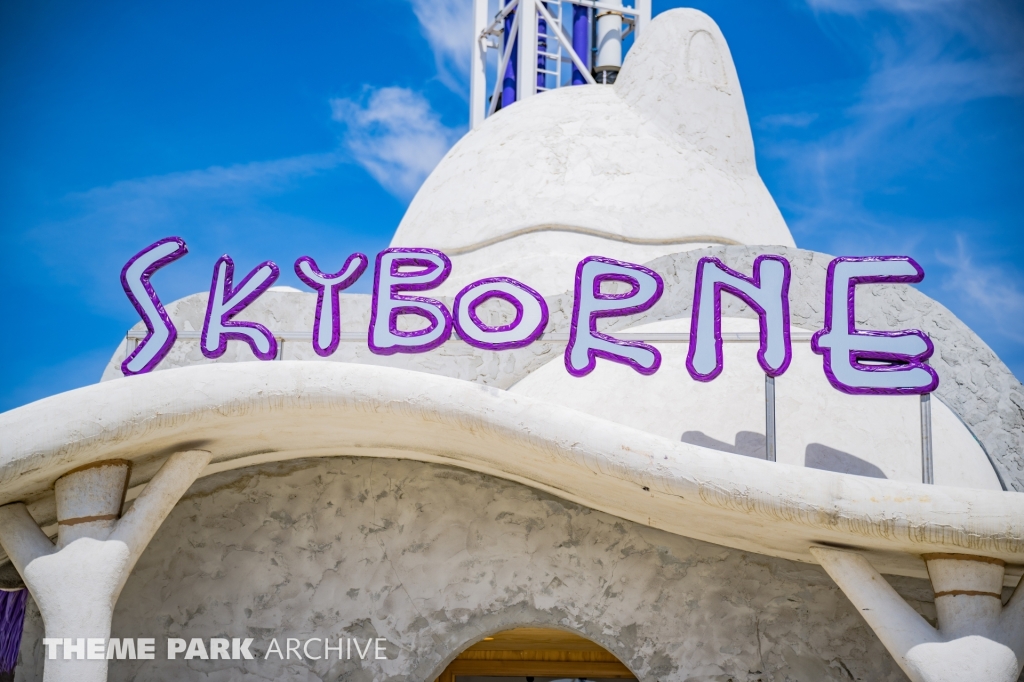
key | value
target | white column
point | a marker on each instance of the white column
(478, 67)
(608, 43)
(643, 7)
(968, 593)
(77, 582)
(526, 76)
(977, 638)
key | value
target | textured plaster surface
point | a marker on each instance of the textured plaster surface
(975, 385)
(434, 558)
(253, 413)
(293, 311)
(77, 583)
(546, 259)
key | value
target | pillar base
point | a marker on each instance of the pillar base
(977, 638)
(77, 582)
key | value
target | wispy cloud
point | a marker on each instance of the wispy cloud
(212, 208)
(861, 7)
(396, 135)
(991, 294)
(926, 59)
(798, 120)
(131, 204)
(448, 26)
(245, 177)
(392, 133)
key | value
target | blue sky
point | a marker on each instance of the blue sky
(270, 130)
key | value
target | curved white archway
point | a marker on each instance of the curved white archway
(248, 414)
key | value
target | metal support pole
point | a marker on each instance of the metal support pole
(510, 77)
(644, 16)
(581, 42)
(505, 86)
(526, 77)
(478, 66)
(570, 50)
(769, 418)
(542, 46)
(927, 470)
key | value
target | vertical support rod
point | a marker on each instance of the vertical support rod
(580, 40)
(927, 469)
(643, 7)
(478, 67)
(508, 79)
(526, 78)
(130, 346)
(542, 46)
(769, 418)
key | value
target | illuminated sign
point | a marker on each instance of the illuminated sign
(857, 361)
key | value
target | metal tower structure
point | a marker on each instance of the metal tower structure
(543, 45)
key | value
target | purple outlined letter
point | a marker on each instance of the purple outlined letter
(586, 344)
(135, 280)
(226, 302)
(327, 324)
(390, 279)
(528, 325)
(895, 359)
(767, 292)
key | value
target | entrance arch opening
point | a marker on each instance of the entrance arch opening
(535, 655)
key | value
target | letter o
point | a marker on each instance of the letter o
(528, 325)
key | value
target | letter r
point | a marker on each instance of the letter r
(586, 344)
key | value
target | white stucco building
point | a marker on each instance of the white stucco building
(621, 524)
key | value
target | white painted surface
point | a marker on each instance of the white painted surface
(957, 456)
(817, 426)
(546, 259)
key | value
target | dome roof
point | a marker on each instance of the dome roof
(660, 162)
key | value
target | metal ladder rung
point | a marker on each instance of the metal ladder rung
(550, 40)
